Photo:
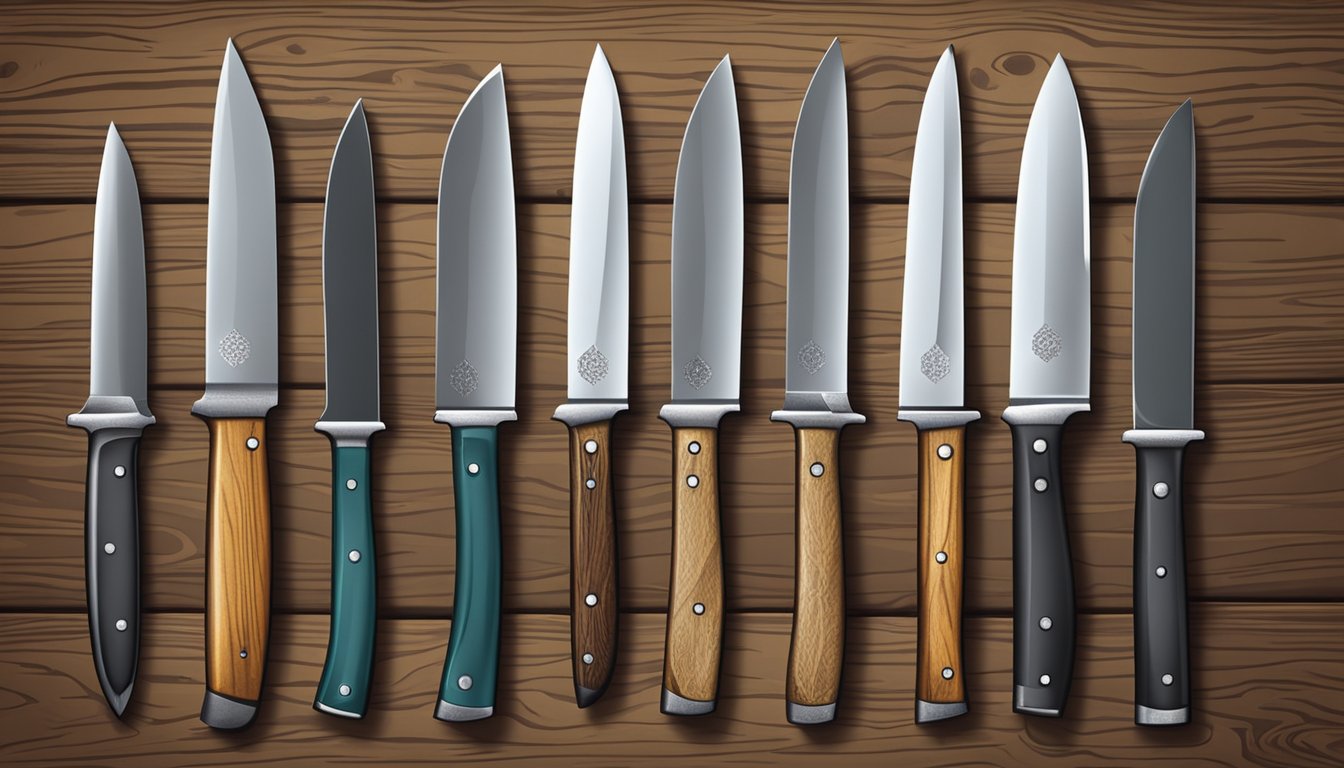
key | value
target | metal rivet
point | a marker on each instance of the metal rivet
(1040, 485)
(1161, 572)
(1045, 679)
(587, 658)
(354, 555)
(122, 625)
(817, 469)
(693, 481)
(253, 443)
(1167, 679)
(351, 484)
(464, 682)
(1160, 490)
(591, 483)
(947, 673)
(944, 451)
(109, 547)
(1046, 623)
(699, 608)
(1039, 446)
(119, 471)
(941, 557)
(242, 654)
(590, 446)
(590, 599)
(694, 447)
(345, 690)
(473, 468)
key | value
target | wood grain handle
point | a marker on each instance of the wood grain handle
(816, 654)
(695, 608)
(940, 688)
(238, 586)
(593, 577)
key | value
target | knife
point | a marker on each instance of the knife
(476, 343)
(1164, 366)
(816, 389)
(707, 253)
(241, 387)
(1048, 382)
(115, 415)
(599, 353)
(932, 394)
(350, 314)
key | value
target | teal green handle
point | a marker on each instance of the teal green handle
(344, 687)
(468, 685)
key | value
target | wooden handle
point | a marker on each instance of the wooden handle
(238, 587)
(816, 654)
(940, 685)
(592, 537)
(695, 608)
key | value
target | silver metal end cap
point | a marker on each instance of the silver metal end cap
(804, 714)
(1148, 716)
(226, 714)
(932, 711)
(452, 713)
(677, 705)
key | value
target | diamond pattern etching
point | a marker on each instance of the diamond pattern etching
(593, 365)
(698, 373)
(465, 379)
(234, 348)
(812, 357)
(1047, 343)
(935, 364)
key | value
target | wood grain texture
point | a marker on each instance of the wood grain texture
(1281, 709)
(1265, 81)
(592, 557)
(695, 604)
(817, 650)
(942, 489)
(238, 559)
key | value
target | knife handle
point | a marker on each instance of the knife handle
(344, 687)
(467, 690)
(940, 677)
(238, 585)
(1161, 649)
(1043, 609)
(817, 649)
(112, 559)
(695, 605)
(592, 538)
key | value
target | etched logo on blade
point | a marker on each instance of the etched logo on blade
(935, 364)
(593, 365)
(698, 373)
(812, 357)
(235, 348)
(1047, 344)
(465, 379)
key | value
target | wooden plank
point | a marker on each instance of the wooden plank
(1279, 711)
(1265, 80)
(1263, 498)
(1271, 296)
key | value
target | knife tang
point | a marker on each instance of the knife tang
(1161, 648)
(238, 587)
(1043, 604)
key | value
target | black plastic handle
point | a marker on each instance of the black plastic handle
(1043, 609)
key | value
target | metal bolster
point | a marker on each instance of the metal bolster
(937, 419)
(701, 414)
(345, 434)
(111, 412)
(577, 412)
(817, 410)
(1026, 412)
(481, 417)
(1161, 438)
(237, 401)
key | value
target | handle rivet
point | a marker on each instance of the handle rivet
(1167, 679)
(1160, 490)
(242, 654)
(591, 483)
(1039, 446)
(699, 608)
(941, 557)
(1040, 485)
(109, 547)
(590, 446)
(473, 468)
(464, 682)
(253, 443)
(590, 599)
(587, 658)
(351, 484)
(354, 555)
(122, 625)
(817, 469)
(1161, 571)
(947, 673)
(1045, 679)
(345, 690)
(694, 447)
(693, 481)
(1046, 623)
(944, 451)
(119, 471)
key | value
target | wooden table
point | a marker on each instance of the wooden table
(1264, 493)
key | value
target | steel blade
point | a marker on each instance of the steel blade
(1051, 325)
(350, 277)
(933, 350)
(599, 246)
(477, 295)
(707, 248)
(241, 337)
(1164, 280)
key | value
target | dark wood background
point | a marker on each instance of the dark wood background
(1265, 493)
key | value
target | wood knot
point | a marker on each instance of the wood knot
(9, 68)
(1019, 64)
(295, 49)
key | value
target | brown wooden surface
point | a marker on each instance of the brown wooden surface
(592, 555)
(942, 495)
(1263, 494)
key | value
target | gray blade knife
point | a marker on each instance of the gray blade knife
(350, 315)
(816, 396)
(598, 363)
(241, 387)
(115, 415)
(1051, 350)
(1164, 419)
(707, 254)
(476, 342)
(932, 394)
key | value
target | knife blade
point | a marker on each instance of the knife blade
(816, 396)
(1051, 350)
(350, 315)
(932, 393)
(115, 415)
(475, 349)
(241, 387)
(1164, 418)
(707, 263)
(599, 353)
